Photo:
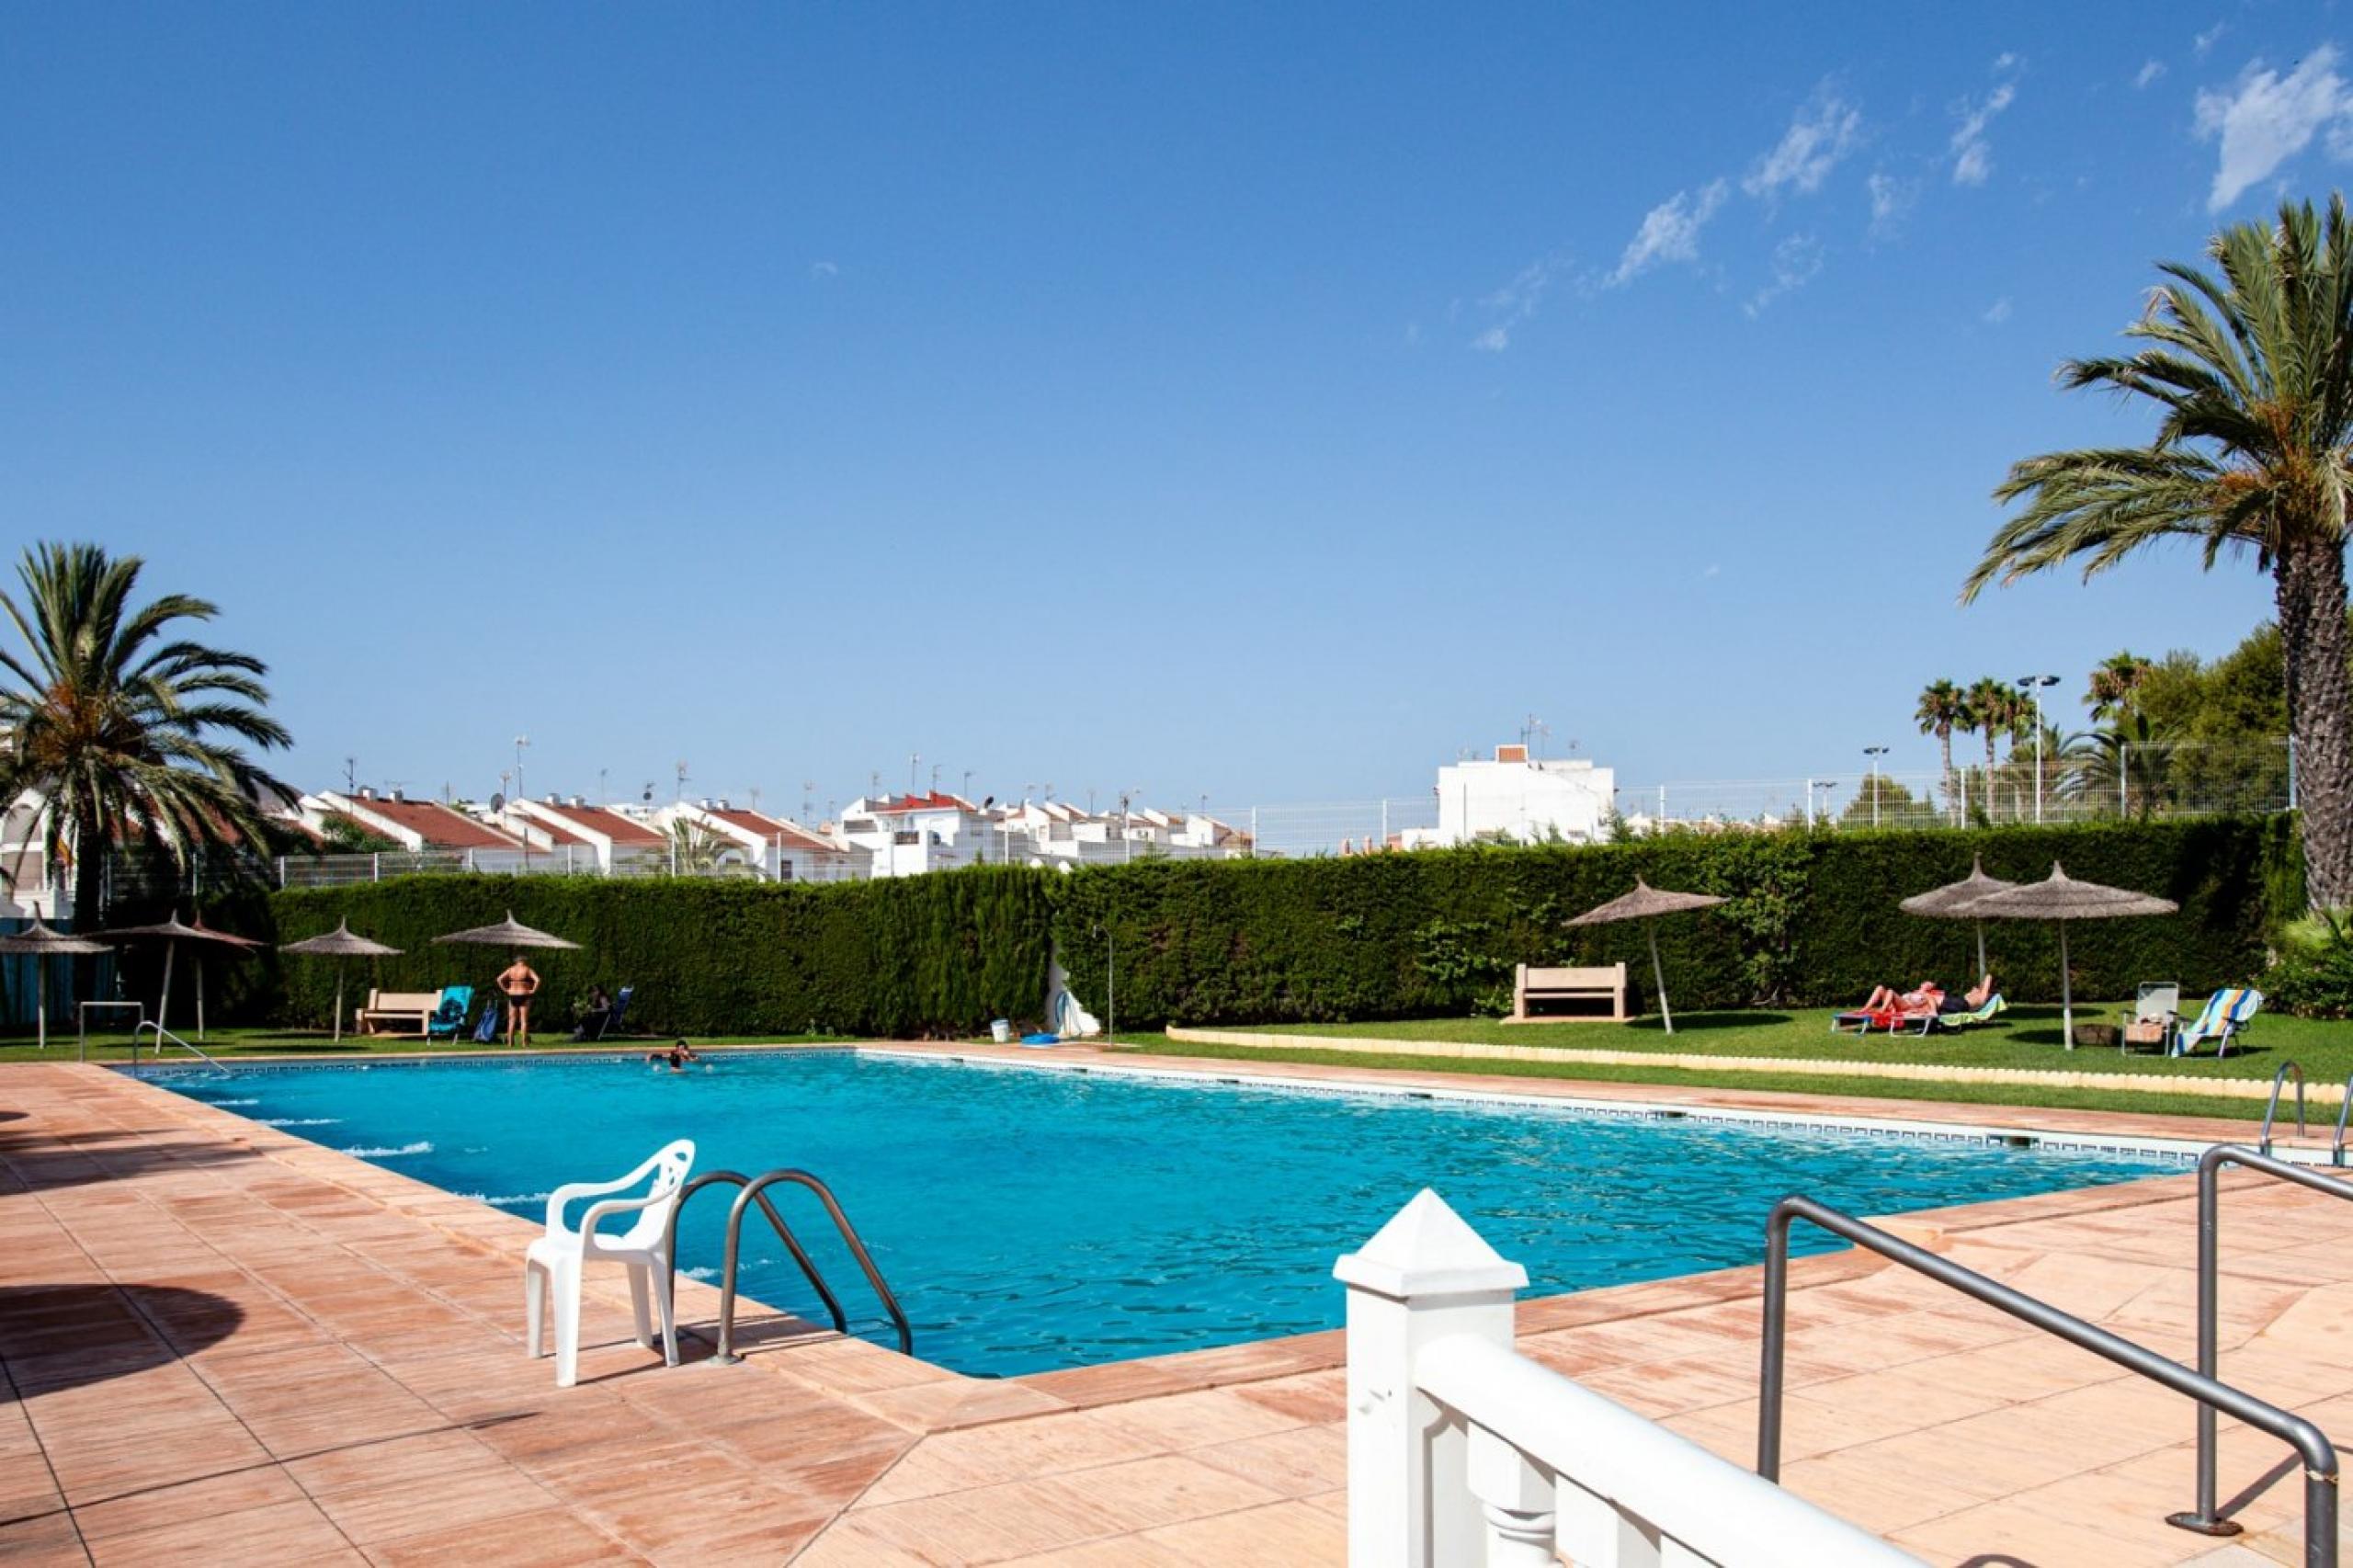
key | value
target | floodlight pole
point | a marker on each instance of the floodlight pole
(2033, 686)
(1874, 752)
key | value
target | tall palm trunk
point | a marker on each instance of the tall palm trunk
(1952, 796)
(2308, 582)
(89, 897)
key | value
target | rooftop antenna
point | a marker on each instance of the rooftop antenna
(874, 781)
(350, 774)
(914, 761)
(604, 796)
(680, 769)
(808, 792)
(754, 793)
(647, 798)
(934, 778)
(966, 792)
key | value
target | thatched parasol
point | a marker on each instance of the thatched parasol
(340, 944)
(42, 943)
(2060, 898)
(508, 933)
(1950, 901)
(171, 932)
(1645, 904)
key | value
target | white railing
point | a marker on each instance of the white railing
(1463, 1452)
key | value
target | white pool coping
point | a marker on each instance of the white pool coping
(2171, 1151)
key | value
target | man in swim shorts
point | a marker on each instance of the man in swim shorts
(520, 982)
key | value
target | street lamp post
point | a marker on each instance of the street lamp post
(2033, 686)
(1874, 752)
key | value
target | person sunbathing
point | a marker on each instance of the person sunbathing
(1969, 1000)
(1927, 998)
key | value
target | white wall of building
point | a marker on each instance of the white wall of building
(1529, 800)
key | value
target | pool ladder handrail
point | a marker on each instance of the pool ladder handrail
(2278, 1081)
(2336, 1144)
(755, 1192)
(163, 1034)
(2207, 1517)
(2313, 1447)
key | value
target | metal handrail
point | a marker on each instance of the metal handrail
(162, 1034)
(2337, 1145)
(784, 1232)
(2278, 1081)
(2309, 1442)
(2207, 1519)
(850, 1238)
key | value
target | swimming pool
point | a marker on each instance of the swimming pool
(1030, 1220)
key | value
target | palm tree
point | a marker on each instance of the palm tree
(2251, 374)
(1993, 708)
(2114, 682)
(1943, 707)
(121, 725)
(695, 850)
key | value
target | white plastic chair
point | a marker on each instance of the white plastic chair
(555, 1260)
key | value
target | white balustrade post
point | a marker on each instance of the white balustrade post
(1425, 1277)
(1518, 1499)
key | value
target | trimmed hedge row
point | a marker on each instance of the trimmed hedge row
(919, 956)
(1810, 920)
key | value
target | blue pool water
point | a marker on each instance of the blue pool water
(1034, 1219)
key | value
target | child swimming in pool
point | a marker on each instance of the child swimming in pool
(677, 1057)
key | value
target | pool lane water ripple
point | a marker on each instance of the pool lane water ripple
(1031, 1221)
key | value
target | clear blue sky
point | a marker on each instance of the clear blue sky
(1263, 401)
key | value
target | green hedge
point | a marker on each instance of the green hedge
(921, 956)
(1811, 920)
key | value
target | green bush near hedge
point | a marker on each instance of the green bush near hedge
(1810, 920)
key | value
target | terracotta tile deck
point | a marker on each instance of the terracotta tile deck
(221, 1343)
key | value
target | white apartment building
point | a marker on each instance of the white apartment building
(1513, 795)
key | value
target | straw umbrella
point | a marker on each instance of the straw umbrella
(171, 932)
(1950, 901)
(2060, 898)
(42, 943)
(1645, 904)
(340, 944)
(508, 933)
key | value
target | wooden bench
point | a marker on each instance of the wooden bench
(409, 1008)
(1545, 995)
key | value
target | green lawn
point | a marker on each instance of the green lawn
(2192, 1104)
(2024, 1037)
(2027, 1037)
(270, 1042)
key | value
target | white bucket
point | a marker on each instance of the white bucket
(1001, 1032)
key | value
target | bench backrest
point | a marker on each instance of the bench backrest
(1533, 978)
(402, 1001)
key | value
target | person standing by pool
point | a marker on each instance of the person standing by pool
(520, 983)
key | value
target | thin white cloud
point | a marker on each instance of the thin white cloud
(1892, 199)
(2203, 44)
(1972, 155)
(1670, 231)
(1514, 302)
(2150, 71)
(1997, 313)
(1824, 131)
(2264, 119)
(1795, 261)
(823, 269)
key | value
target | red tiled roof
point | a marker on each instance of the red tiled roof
(769, 827)
(601, 820)
(554, 832)
(935, 801)
(440, 827)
